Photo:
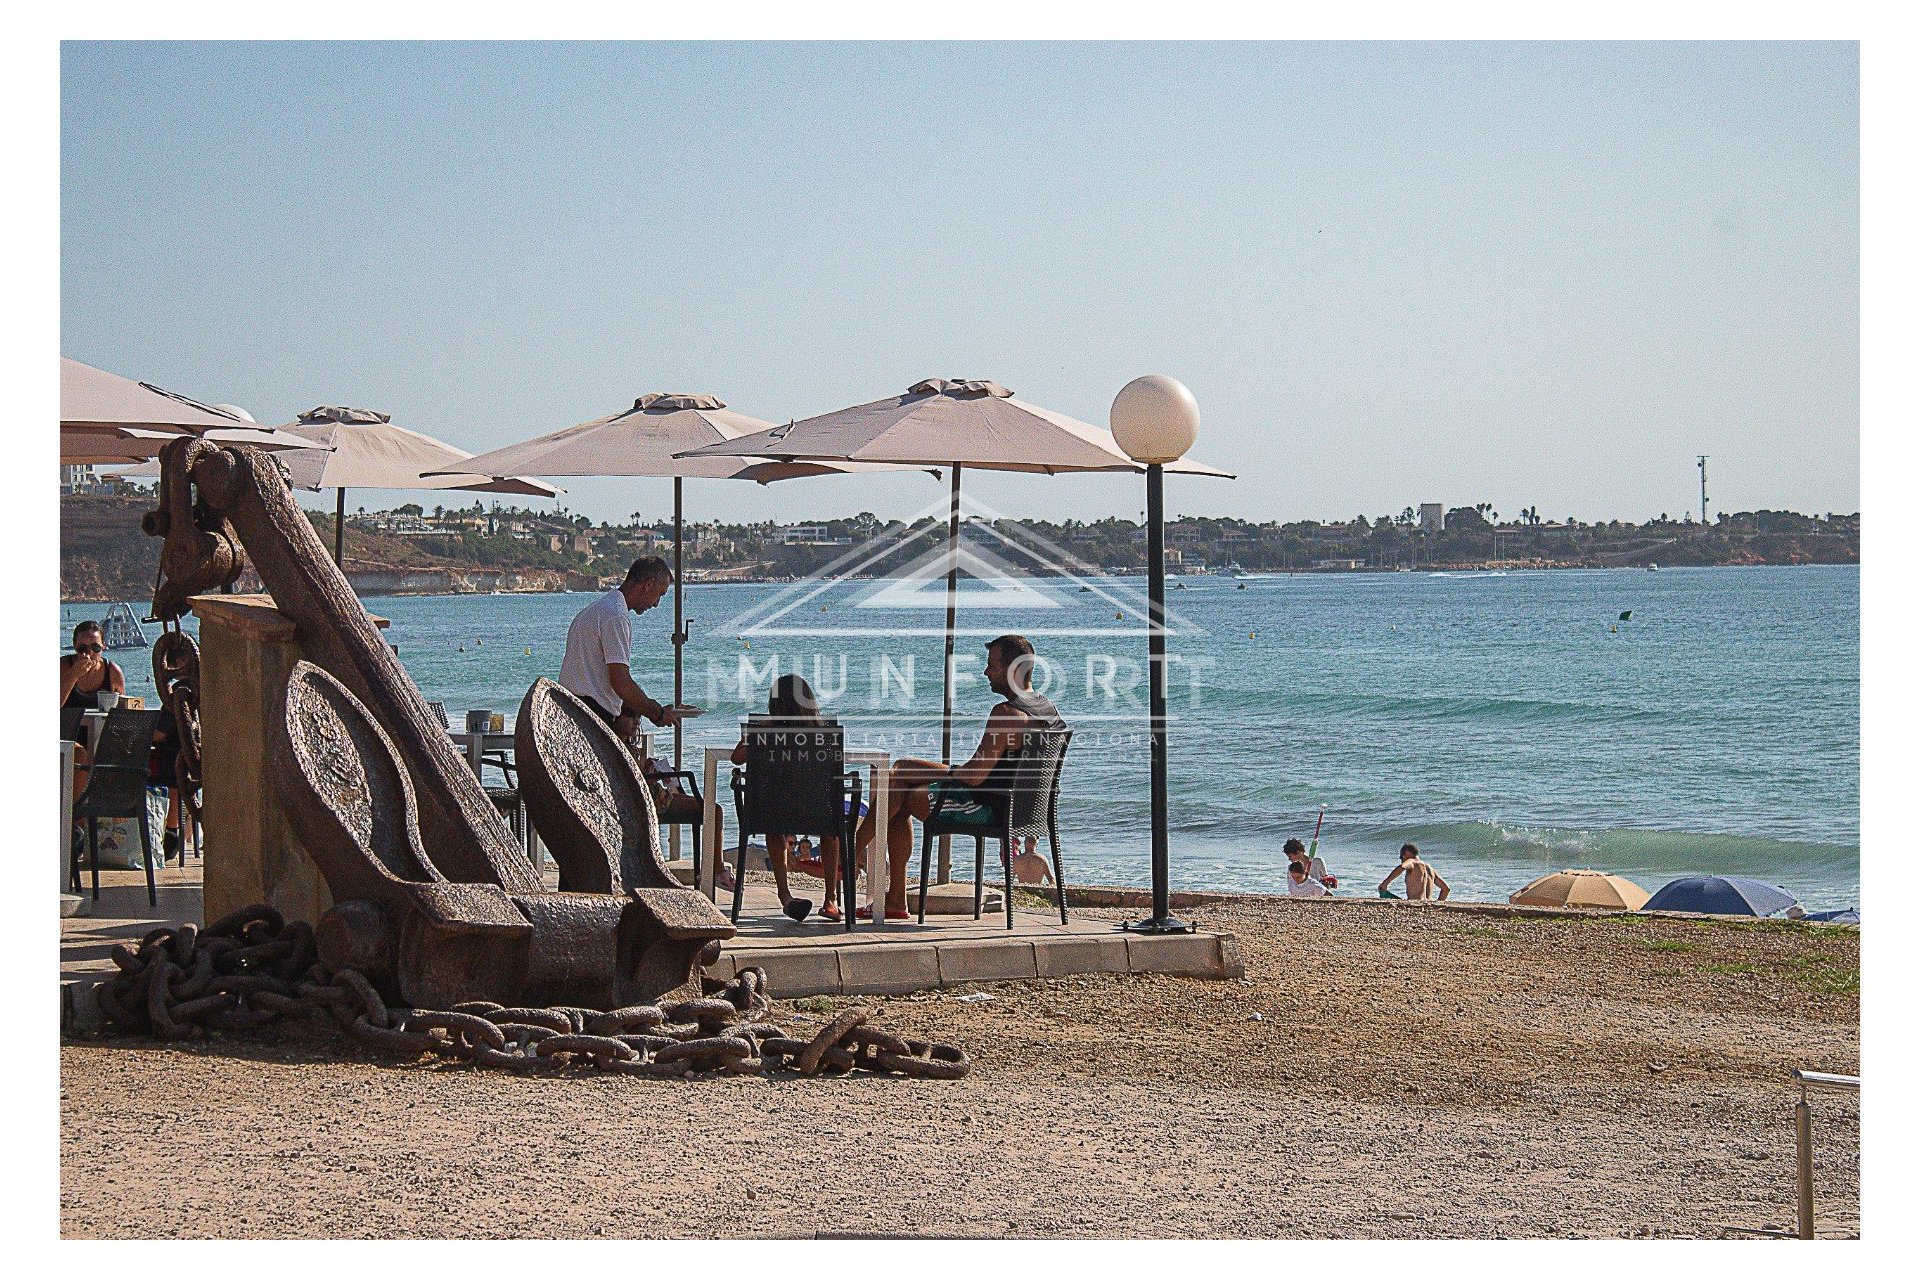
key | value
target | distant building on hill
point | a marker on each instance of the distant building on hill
(1433, 517)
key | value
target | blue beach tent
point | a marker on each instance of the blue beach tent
(1721, 896)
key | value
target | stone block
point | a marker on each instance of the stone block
(985, 960)
(1185, 955)
(889, 968)
(1098, 953)
(791, 971)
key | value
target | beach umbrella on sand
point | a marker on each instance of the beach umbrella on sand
(648, 439)
(948, 423)
(1721, 896)
(1582, 889)
(105, 419)
(361, 449)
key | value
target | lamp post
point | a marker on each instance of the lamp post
(1155, 419)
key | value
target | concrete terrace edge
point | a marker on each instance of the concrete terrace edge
(897, 968)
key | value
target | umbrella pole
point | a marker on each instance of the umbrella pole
(946, 668)
(679, 640)
(340, 528)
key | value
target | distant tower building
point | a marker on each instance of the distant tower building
(1433, 517)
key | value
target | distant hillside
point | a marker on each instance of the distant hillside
(105, 556)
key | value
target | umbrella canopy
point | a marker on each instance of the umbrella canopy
(938, 422)
(107, 419)
(1721, 896)
(362, 449)
(1581, 889)
(641, 441)
(94, 398)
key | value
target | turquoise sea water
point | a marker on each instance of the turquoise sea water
(1499, 721)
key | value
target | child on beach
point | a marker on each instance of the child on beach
(1300, 882)
(1315, 865)
(1421, 877)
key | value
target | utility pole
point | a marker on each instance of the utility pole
(1703, 489)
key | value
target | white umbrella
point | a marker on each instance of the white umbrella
(651, 439)
(955, 424)
(343, 449)
(105, 418)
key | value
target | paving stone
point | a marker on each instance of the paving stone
(794, 971)
(889, 968)
(994, 960)
(1187, 955)
(1058, 957)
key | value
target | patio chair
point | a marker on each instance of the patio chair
(1030, 807)
(688, 786)
(73, 724)
(795, 783)
(506, 799)
(117, 788)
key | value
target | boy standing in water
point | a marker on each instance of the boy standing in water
(1421, 877)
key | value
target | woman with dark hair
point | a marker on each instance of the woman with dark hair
(792, 703)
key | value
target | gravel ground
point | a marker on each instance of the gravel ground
(1384, 1070)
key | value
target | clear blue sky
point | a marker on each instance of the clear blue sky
(1524, 274)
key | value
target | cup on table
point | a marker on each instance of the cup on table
(107, 699)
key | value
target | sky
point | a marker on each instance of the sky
(1526, 274)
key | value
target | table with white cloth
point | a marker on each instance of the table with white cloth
(879, 780)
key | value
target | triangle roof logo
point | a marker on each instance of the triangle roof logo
(1003, 567)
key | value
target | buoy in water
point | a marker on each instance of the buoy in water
(1615, 628)
(527, 652)
(478, 643)
(1117, 617)
(1250, 635)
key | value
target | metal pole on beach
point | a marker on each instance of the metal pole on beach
(339, 527)
(679, 637)
(946, 672)
(1155, 420)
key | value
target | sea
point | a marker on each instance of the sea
(1653, 724)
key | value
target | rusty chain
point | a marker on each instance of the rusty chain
(176, 675)
(252, 968)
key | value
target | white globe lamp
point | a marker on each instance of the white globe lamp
(236, 411)
(1155, 419)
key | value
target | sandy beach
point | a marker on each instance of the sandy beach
(1384, 1070)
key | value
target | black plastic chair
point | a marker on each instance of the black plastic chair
(117, 788)
(506, 799)
(795, 783)
(73, 724)
(690, 787)
(1030, 807)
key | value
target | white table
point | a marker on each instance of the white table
(476, 745)
(879, 779)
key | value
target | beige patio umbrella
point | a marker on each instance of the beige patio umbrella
(948, 423)
(105, 418)
(362, 449)
(345, 449)
(651, 439)
(1584, 888)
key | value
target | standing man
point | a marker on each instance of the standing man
(598, 667)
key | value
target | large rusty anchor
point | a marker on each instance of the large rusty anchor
(434, 897)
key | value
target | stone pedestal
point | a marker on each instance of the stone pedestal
(252, 854)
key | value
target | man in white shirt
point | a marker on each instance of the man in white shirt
(1295, 851)
(598, 664)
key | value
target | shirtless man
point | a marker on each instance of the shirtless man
(1421, 877)
(1009, 672)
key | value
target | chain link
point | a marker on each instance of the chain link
(252, 968)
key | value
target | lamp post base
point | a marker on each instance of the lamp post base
(1160, 924)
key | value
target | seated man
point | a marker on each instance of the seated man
(966, 788)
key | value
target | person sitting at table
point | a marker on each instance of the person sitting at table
(975, 785)
(791, 702)
(598, 667)
(84, 673)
